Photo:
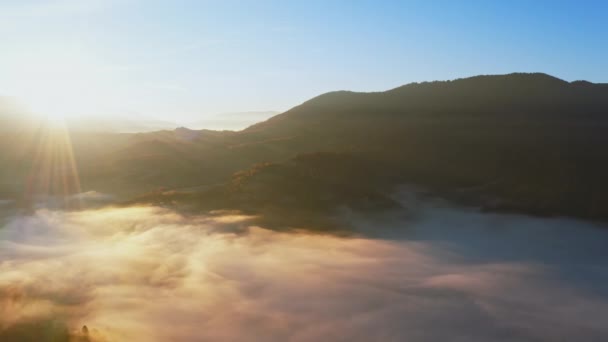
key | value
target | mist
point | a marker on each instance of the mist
(436, 272)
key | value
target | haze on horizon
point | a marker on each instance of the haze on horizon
(189, 60)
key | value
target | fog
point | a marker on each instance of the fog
(435, 273)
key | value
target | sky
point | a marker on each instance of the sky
(189, 59)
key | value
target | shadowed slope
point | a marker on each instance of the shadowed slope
(523, 142)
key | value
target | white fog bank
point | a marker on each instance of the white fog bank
(150, 274)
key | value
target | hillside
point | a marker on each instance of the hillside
(522, 142)
(305, 191)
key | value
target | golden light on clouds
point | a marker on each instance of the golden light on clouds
(151, 274)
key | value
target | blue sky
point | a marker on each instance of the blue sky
(183, 60)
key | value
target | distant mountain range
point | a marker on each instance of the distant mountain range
(14, 114)
(225, 121)
(520, 142)
(233, 121)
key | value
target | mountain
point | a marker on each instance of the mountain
(520, 142)
(232, 121)
(302, 192)
(117, 125)
(14, 116)
(524, 142)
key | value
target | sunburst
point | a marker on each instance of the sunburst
(53, 178)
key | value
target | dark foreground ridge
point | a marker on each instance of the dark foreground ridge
(528, 143)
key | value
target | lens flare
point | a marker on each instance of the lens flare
(53, 176)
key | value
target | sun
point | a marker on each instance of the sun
(58, 100)
(52, 106)
(59, 88)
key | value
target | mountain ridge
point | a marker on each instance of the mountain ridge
(526, 142)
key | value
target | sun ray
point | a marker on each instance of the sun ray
(53, 179)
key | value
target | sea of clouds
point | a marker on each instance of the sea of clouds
(438, 273)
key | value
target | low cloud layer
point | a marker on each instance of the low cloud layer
(150, 274)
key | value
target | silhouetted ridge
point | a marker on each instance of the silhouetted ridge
(523, 142)
(520, 94)
(532, 140)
